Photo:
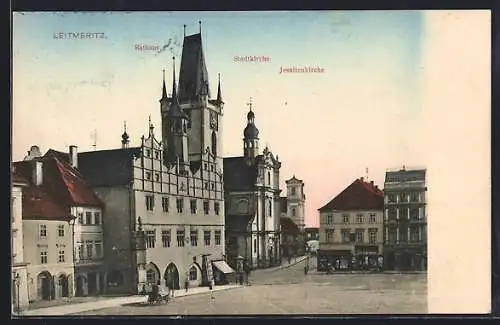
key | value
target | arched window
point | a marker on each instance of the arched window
(269, 178)
(193, 273)
(214, 143)
(293, 212)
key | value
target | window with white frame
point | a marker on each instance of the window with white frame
(373, 218)
(98, 248)
(79, 250)
(216, 207)
(345, 235)
(62, 257)
(180, 205)
(89, 247)
(217, 237)
(165, 238)
(329, 219)
(194, 237)
(180, 238)
(150, 238)
(193, 206)
(360, 235)
(60, 230)
(345, 218)
(42, 231)
(206, 237)
(329, 235)
(372, 235)
(97, 218)
(88, 218)
(43, 257)
(165, 203)
(80, 218)
(360, 218)
(149, 202)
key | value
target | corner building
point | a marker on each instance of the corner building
(164, 199)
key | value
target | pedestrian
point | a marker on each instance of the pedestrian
(212, 285)
(241, 279)
(305, 270)
(186, 285)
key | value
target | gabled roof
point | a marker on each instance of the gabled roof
(360, 195)
(38, 204)
(193, 76)
(64, 184)
(238, 175)
(103, 167)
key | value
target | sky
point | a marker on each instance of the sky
(362, 112)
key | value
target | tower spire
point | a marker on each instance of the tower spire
(125, 137)
(174, 84)
(219, 93)
(249, 104)
(199, 23)
(184, 30)
(164, 88)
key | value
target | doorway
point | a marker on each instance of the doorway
(46, 284)
(171, 276)
(64, 285)
(92, 283)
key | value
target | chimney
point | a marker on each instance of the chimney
(371, 183)
(73, 156)
(362, 179)
(38, 173)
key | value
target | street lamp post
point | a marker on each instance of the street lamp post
(71, 222)
(17, 281)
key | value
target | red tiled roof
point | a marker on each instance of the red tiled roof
(38, 204)
(360, 195)
(62, 187)
(77, 191)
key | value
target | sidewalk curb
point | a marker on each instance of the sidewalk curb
(115, 302)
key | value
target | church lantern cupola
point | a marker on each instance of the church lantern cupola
(125, 136)
(251, 137)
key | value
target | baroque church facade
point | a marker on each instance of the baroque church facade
(164, 214)
(252, 199)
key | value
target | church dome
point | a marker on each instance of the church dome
(251, 131)
(250, 115)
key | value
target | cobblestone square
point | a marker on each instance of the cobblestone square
(289, 291)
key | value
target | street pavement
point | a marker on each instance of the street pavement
(288, 291)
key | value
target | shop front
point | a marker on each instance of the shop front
(366, 257)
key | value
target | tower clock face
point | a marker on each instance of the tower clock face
(213, 120)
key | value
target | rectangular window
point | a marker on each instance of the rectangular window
(360, 235)
(217, 237)
(414, 234)
(403, 197)
(89, 246)
(61, 258)
(165, 238)
(60, 230)
(391, 198)
(148, 176)
(293, 191)
(43, 257)
(216, 207)
(414, 214)
(194, 237)
(360, 218)
(79, 250)
(180, 238)
(88, 218)
(150, 238)
(403, 234)
(372, 236)
(97, 218)
(373, 218)
(193, 206)
(392, 214)
(98, 248)
(403, 213)
(329, 220)
(392, 234)
(43, 231)
(206, 237)
(346, 233)
(157, 154)
(206, 186)
(180, 205)
(213, 186)
(149, 202)
(80, 218)
(165, 203)
(345, 218)
(329, 235)
(148, 152)
(255, 245)
(415, 197)
(206, 207)
(157, 177)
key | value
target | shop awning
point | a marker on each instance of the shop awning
(223, 267)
